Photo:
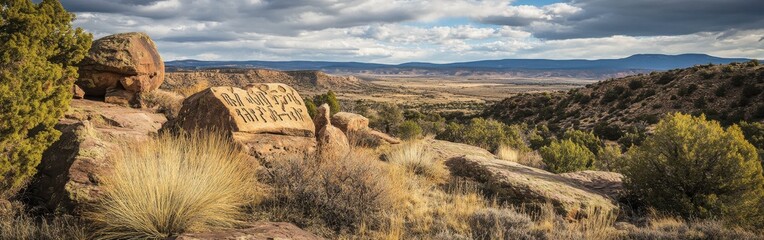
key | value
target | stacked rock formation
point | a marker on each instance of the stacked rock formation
(332, 142)
(357, 128)
(120, 66)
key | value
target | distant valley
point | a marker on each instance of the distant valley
(505, 68)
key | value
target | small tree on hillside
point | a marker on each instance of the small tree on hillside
(409, 130)
(38, 53)
(697, 169)
(566, 156)
(329, 98)
(311, 106)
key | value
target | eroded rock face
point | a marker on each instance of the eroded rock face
(258, 231)
(518, 184)
(71, 168)
(267, 148)
(263, 108)
(350, 122)
(323, 117)
(608, 183)
(125, 61)
(332, 143)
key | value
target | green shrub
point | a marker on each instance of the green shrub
(388, 118)
(328, 98)
(566, 156)
(488, 134)
(636, 84)
(721, 91)
(38, 53)
(409, 130)
(754, 133)
(586, 139)
(609, 132)
(697, 169)
(311, 106)
(686, 91)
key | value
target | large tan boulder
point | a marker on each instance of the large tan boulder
(518, 184)
(267, 148)
(332, 143)
(71, 168)
(258, 231)
(263, 108)
(444, 150)
(125, 61)
(350, 122)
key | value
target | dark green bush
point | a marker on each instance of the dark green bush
(329, 98)
(586, 139)
(312, 109)
(695, 168)
(686, 91)
(636, 84)
(566, 156)
(39, 51)
(488, 134)
(409, 130)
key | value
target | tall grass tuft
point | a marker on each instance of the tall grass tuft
(415, 158)
(170, 185)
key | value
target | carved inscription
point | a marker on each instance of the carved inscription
(265, 108)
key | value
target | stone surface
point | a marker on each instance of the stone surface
(70, 169)
(349, 122)
(120, 97)
(77, 92)
(332, 143)
(258, 231)
(323, 117)
(518, 184)
(267, 148)
(608, 183)
(125, 61)
(444, 150)
(263, 108)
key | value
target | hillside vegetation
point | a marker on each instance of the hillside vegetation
(727, 93)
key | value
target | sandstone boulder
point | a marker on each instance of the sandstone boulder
(350, 122)
(264, 108)
(267, 148)
(70, 171)
(258, 231)
(125, 61)
(608, 183)
(518, 184)
(332, 143)
(77, 92)
(323, 117)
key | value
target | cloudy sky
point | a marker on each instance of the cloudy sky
(396, 31)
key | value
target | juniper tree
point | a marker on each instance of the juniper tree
(38, 52)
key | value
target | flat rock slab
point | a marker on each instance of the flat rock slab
(444, 150)
(608, 183)
(259, 231)
(70, 170)
(518, 184)
(262, 108)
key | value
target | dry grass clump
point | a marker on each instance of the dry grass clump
(16, 224)
(675, 228)
(170, 185)
(502, 223)
(344, 195)
(163, 101)
(195, 88)
(527, 158)
(416, 159)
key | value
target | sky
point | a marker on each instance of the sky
(438, 31)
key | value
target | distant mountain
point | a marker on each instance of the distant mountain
(640, 62)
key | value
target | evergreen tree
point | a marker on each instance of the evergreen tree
(697, 169)
(38, 52)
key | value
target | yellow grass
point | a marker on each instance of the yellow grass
(170, 185)
(416, 159)
(527, 158)
(195, 88)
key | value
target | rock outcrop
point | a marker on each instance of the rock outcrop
(270, 121)
(264, 108)
(323, 117)
(71, 168)
(332, 142)
(518, 184)
(608, 183)
(444, 150)
(356, 128)
(119, 66)
(258, 231)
